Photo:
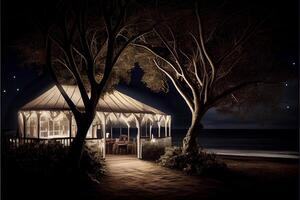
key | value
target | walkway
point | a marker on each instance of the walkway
(131, 178)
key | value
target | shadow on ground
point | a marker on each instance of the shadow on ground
(130, 178)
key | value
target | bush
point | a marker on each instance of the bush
(40, 171)
(39, 158)
(152, 151)
(201, 162)
(51, 160)
(92, 163)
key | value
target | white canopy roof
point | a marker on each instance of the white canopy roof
(115, 101)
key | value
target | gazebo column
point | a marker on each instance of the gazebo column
(151, 130)
(103, 127)
(95, 131)
(120, 127)
(146, 128)
(24, 125)
(139, 145)
(104, 139)
(166, 128)
(158, 124)
(170, 127)
(111, 132)
(111, 129)
(38, 124)
(128, 132)
(70, 117)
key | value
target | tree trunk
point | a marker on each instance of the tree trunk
(190, 140)
(78, 143)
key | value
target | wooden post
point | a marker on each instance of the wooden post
(104, 139)
(151, 130)
(158, 123)
(128, 133)
(139, 144)
(170, 127)
(166, 128)
(38, 125)
(111, 128)
(139, 149)
(70, 125)
(111, 134)
(24, 125)
(103, 127)
(120, 127)
(146, 128)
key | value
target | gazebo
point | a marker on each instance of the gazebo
(48, 117)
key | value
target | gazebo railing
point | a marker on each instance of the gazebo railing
(14, 142)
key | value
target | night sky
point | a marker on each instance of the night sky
(19, 85)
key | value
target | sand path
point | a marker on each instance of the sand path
(131, 178)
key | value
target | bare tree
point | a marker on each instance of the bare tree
(207, 70)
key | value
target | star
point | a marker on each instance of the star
(18, 89)
(4, 91)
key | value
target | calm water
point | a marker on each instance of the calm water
(253, 143)
(273, 140)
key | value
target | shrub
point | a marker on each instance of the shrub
(201, 162)
(51, 160)
(92, 163)
(152, 151)
(39, 158)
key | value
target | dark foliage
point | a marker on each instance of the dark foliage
(51, 160)
(201, 162)
(152, 151)
(38, 158)
(92, 163)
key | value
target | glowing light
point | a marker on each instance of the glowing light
(4, 91)
(286, 84)
(153, 140)
(14, 77)
(288, 107)
(107, 135)
(294, 63)
(18, 89)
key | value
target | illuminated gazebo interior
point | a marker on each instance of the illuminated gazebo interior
(119, 118)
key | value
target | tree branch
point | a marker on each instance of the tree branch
(243, 39)
(129, 41)
(74, 69)
(178, 87)
(229, 91)
(70, 103)
(151, 50)
(203, 47)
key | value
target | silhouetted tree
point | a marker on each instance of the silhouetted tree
(80, 44)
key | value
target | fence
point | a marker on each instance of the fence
(11, 142)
